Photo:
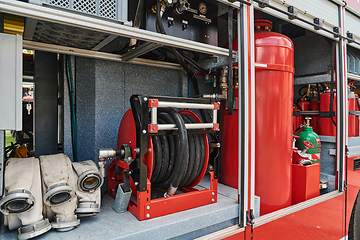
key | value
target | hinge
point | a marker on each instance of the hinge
(250, 217)
(345, 186)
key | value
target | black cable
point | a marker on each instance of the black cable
(172, 141)
(157, 158)
(71, 112)
(189, 171)
(165, 156)
(230, 99)
(182, 151)
(331, 110)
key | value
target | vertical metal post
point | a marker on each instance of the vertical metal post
(2, 165)
(2, 133)
(244, 117)
(252, 106)
(342, 106)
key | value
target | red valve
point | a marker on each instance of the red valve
(296, 136)
(308, 144)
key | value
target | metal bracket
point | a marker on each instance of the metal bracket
(336, 31)
(345, 186)
(319, 23)
(263, 3)
(140, 50)
(294, 12)
(250, 217)
(351, 37)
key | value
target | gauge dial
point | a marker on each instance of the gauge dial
(202, 8)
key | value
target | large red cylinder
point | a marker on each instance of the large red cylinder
(327, 126)
(351, 118)
(273, 122)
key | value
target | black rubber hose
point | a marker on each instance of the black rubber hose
(201, 151)
(171, 141)
(157, 154)
(182, 149)
(165, 156)
(196, 158)
(191, 157)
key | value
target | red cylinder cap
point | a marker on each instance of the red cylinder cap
(263, 25)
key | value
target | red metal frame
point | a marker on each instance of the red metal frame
(144, 207)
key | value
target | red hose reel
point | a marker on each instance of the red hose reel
(134, 134)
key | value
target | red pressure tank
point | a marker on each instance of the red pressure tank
(315, 122)
(273, 122)
(327, 126)
(351, 118)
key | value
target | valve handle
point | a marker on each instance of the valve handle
(296, 136)
(308, 144)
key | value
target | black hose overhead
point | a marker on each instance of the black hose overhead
(230, 99)
(332, 83)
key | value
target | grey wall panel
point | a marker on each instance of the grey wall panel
(103, 90)
(312, 55)
(45, 103)
(85, 107)
(110, 102)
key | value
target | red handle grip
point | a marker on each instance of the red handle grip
(308, 144)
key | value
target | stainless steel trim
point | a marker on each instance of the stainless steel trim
(353, 77)
(215, 115)
(295, 208)
(185, 105)
(222, 234)
(188, 126)
(94, 54)
(154, 115)
(252, 106)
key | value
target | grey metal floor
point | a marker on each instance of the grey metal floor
(183, 225)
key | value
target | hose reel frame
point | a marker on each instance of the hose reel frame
(135, 133)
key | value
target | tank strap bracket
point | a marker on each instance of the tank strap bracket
(326, 114)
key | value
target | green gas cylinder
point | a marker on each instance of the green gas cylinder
(309, 135)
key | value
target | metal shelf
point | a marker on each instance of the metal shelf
(62, 17)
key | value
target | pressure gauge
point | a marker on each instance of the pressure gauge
(202, 8)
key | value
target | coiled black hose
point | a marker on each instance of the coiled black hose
(178, 159)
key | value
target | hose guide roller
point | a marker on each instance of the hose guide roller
(153, 130)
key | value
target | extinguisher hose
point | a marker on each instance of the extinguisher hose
(357, 102)
(331, 110)
(230, 99)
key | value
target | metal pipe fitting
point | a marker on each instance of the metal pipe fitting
(183, 5)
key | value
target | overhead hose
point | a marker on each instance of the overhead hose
(70, 81)
(178, 159)
(331, 110)
(230, 100)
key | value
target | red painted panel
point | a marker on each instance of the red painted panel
(305, 182)
(323, 221)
